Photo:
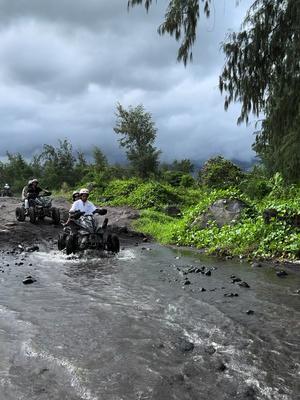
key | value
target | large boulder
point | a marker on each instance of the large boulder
(221, 212)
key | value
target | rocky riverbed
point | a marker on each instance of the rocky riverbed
(150, 323)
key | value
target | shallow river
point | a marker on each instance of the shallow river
(127, 327)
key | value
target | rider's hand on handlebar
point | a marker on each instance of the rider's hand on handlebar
(76, 214)
(100, 211)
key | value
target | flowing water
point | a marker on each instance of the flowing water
(123, 327)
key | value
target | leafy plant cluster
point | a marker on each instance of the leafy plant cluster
(249, 237)
(138, 194)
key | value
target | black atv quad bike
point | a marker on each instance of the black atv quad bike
(86, 232)
(39, 208)
(6, 192)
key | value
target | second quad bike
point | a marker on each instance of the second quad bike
(86, 232)
(39, 208)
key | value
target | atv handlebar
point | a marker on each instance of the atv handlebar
(76, 214)
(100, 211)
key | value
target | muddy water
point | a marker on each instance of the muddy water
(127, 327)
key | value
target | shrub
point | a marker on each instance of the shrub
(153, 195)
(218, 172)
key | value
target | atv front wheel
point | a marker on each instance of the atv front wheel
(70, 244)
(113, 243)
(32, 215)
(61, 242)
(20, 214)
(55, 216)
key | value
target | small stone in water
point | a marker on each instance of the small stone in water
(281, 273)
(244, 284)
(28, 280)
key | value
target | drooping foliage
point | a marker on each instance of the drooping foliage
(262, 71)
(181, 20)
(138, 134)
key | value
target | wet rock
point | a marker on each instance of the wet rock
(249, 312)
(256, 265)
(202, 289)
(28, 280)
(234, 280)
(207, 273)
(244, 284)
(210, 350)
(297, 291)
(221, 367)
(185, 345)
(32, 249)
(281, 273)
(145, 239)
(250, 394)
(230, 294)
(175, 379)
(187, 282)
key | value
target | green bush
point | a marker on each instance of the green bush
(153, 195)
(218, 172)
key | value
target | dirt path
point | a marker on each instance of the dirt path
(14, 233)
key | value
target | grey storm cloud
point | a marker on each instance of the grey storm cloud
(64, 64)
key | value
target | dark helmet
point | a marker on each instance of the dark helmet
(75, 194)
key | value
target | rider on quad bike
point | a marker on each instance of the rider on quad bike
(36, 204)
(6, 190)
(75, 195)
(30, 192)
(82, 231)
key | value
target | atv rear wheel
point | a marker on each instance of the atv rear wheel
(61, 242)
(55, 216)
(70, 244)
(20, 214)
(32, 215)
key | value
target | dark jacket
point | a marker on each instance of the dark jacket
(33, 192)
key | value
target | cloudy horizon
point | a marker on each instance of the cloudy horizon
(66, 64)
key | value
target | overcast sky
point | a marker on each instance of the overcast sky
(64, 64)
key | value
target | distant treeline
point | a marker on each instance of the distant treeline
(62, 167)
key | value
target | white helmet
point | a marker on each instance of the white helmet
(6, 186)
(34, 180)
(75, 192)
(84, 191)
